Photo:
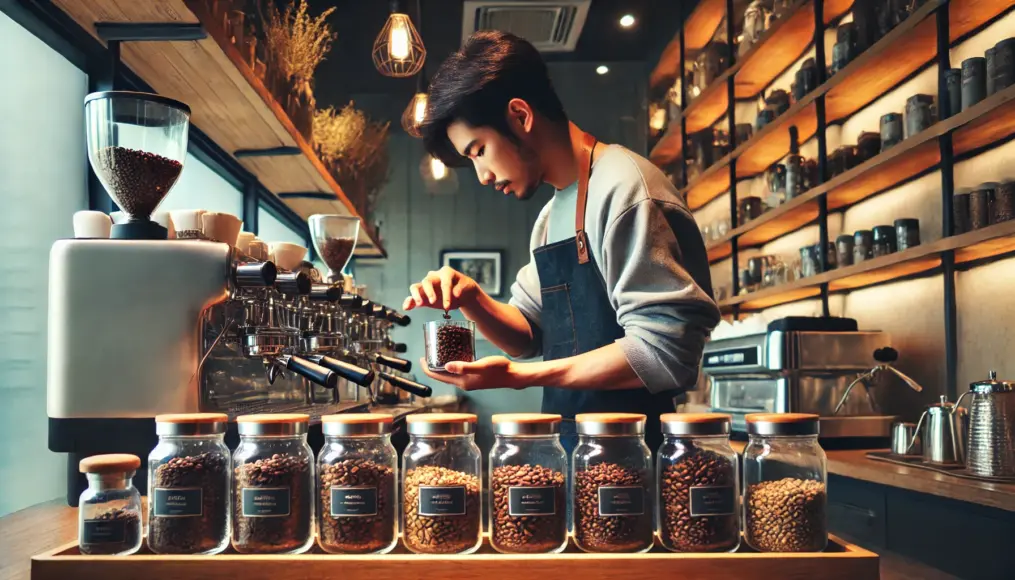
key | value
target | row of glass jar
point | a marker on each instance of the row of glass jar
(271, 497)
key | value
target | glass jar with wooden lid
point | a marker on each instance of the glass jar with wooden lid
(698, 484)
(612, 475)
(273, 485)
(188, 485)
(109, 511)
(441, 485)
(528, 484)
(357, 485)
(785, 477)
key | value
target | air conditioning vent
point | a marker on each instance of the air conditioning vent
(551, 26)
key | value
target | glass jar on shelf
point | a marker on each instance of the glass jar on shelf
(612, 469)
(441, 486)
(698, 484)
(528, 485)
(188, 485)
(785, 478)
(357, 485)
(273, 486)
(109, 511)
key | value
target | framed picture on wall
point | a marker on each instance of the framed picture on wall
(486, 267)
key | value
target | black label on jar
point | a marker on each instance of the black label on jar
(442, 501)
(178, 502)
(104, 532)
(621, 500)
(532, 501)
(265, 502)
(353, 501)
(712, 501)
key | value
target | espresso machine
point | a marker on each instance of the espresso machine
(141, 325)
(824, 366)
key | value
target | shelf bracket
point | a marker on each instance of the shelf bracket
(308, 195)
(136, 31)
(270, 152)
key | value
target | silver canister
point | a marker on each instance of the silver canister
(902, 435)
(944, 432)
(991, 449)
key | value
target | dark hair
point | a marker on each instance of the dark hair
(476, 83)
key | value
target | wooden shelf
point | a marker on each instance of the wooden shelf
(709, 185)
(700, 27)
(227, 101)
(669, 147)
(987, 242)
(720, 249)
(707, 107)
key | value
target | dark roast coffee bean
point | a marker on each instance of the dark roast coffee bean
(440, 534)
(137, 180)
(336, 252)
(273, 533)
(115, 520)
(357, 534)
(528, 533)
(174, 534)
(454, 343)
(682, 531)
(787, 515)
(624, 533)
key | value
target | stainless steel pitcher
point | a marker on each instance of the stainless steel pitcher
(943, 434)
(991, 450)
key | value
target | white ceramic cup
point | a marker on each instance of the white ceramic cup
(187, 222)
(286, 255)
(221, 227)
(164, 219)
(91, 224)
(243, 240)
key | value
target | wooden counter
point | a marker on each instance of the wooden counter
(855, 464)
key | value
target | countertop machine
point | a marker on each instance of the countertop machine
(824, 366)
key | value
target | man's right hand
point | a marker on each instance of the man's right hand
(444, 289)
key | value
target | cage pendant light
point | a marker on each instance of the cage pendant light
(398, 51)
(415, 112)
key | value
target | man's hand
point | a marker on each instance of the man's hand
(494, 372)
(445, 289)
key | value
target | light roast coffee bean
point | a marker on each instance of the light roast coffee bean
(362, 526)
(195, 521)
(593, 529)
(700, 482)
(427, 531)
(787, 515)
(277, 517)
(515, 530)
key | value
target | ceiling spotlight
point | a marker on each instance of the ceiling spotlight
(627, 21)
(602, 69)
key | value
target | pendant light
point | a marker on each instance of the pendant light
(398, 51)
(438, 179)
(415, 112)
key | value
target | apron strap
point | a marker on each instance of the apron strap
(584, 170)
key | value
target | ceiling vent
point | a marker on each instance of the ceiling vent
(551, 26)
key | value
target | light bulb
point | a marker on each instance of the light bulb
(438, 169)
(419, 111)
(398, 38)
(627, 21)
(602, 69)
(658, 119)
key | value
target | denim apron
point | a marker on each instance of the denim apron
(577, 317)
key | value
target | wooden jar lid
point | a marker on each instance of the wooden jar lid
(526, 424)
(609, 417)
(273, 424)
(441, 418)
(439, 424)
(274, 418)
(696, 424)
(780, 417)
(357, 418)
(192, 418)
(356, 424)
(529, 418)
(109, 463)
(696, 417)
(191, 424)
(782, 424)
(610, 424)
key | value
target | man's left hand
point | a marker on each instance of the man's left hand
(494, 372)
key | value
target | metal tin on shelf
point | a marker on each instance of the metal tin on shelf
(907, 233)
(844, 250)
(953, 84)
(979, 206)
(891, 130)
(1003, 208)
(961, 222)
(884, 241)
(974, 81)
(1004, 64)
(863, 245)
(920, 113)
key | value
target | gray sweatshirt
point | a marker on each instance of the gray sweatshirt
(652, 258)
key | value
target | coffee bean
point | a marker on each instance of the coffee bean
(130, 519)
(610, 533)
(273, 534)
(449, 534)
(357, 534)
(454, 343)
(527, 534)
(682, 532)
(137, 180)
(786, 515)
(193, 534)
(336, 252)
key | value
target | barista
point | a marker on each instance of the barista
(617, 296)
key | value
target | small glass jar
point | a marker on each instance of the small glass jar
(528, 485)
(441, 485)
(844, 250)
(188, 485)
(891, 130)
(884, 241)
(785, 478)
(612, 469)
(357, 485)
(863, 246)
(449, 340)
(920, 114)
(698, 484)
(109, 512)
(273, 485)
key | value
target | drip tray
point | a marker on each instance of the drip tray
(866, 426)
(957, 469)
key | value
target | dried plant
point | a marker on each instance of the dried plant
(356, 148)
(296, 41)
(336, 132)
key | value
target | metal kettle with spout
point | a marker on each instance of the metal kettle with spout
(944, 433)
(991, 445)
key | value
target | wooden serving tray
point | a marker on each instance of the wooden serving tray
(840, 561)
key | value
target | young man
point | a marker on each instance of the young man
(617, 296)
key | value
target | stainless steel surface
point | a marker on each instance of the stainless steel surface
(521, 428)
(609, 429)
(677, 427)
(902, 435)
(441, 428)
(795, 350)
(843, 427)
(356, 429)
(991, 450)
(943, 433)
(766, 428)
